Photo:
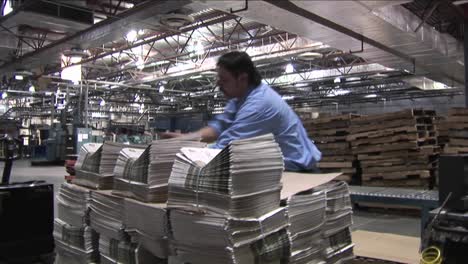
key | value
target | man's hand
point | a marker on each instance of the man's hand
(166, 135)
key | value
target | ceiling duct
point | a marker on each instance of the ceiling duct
(437, 55)
(177, 18)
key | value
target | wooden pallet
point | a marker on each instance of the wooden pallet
(392, 116)
(343, 164)
(426, 122)
(458, 111)
(392, 146)
(455, 150)
(421, 131)
(338, 158)
(398, 175)
(405, 183)
(395, 138)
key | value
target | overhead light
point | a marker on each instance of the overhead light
(353, 79)
(208, 73)
(140, 63)
(337, 80)
(161, 89)
(131, 36)
(300, 84)
(7, 8)
(188, 108)
(215, 95)
(19, 77)
(289, 68)
(287, 97)
(308, 56)
(141, 32)
(370, 96)
(4, 95)
(102, 102)
(32, 89)
(378, 76)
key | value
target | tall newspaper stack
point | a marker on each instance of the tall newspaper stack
(306, 213)
(96, 162)
(338, 221)
(75, 241)
(225, 205)
(144, 174)
(108, 218)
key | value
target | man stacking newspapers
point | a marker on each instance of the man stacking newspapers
(255, 109)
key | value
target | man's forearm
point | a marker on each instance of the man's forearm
(208, 134)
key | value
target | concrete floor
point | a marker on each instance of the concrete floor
(363, 220)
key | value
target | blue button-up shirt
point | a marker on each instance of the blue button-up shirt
(263, 111)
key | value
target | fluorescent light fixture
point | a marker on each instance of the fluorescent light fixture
(4, 95)
(32, 89)
(188, 108)
(7, 8)
(353, 79)
(161, 89)
(140, 63)
(370, 96)
(289, 68)
(131, 35)
(337, 80)
(48, 93)
(287, 97)
(141, 32)
(19, 77)
(215, 95)
(102, 102)
(300, 84)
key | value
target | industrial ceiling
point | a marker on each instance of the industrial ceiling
(159, 56)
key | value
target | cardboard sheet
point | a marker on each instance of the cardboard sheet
(403, 249)
(294, 182)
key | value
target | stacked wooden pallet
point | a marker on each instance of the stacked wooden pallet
(458, 131)
(329, 134)
(442, 126)
(396, 149)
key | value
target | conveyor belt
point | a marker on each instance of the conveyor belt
(385, 192)
(423, 199)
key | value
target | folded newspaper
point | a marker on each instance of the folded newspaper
(96, 163)
(144, 174)
(241, 180)
(72, 204)
(147, 224)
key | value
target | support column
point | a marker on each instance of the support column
(465, 42)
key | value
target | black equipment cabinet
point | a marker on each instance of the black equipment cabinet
(26, 220)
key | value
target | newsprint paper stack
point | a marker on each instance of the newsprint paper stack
(75, 241)
(144, 174)
(96, 162)
(225, 204)
(109, 217)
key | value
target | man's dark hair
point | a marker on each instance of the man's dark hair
(237, 62)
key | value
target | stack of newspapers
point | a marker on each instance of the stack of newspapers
(115, 251)
(306, 213)
(225, 204)
(144, 174)
(337, 233)
(147, 224)
(75, 240)
(96, 163)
